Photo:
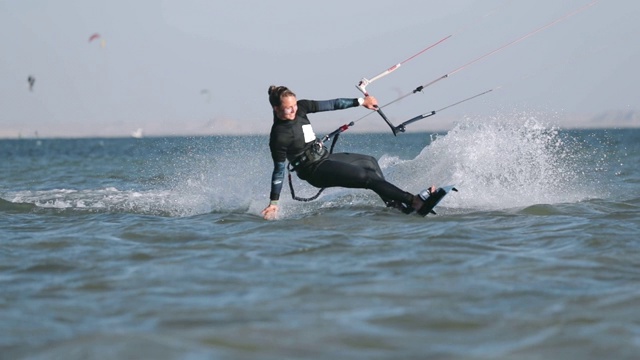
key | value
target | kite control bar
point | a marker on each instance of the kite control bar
(401, 127)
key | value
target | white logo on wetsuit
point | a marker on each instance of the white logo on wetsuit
(309, 135)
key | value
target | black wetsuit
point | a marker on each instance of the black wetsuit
(291, 139)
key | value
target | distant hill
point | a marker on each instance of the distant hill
(615, 118)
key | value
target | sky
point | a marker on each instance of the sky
(203, 67)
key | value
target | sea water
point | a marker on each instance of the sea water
(154, 248)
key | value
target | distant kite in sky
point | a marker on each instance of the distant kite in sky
(207, 94)
(96, 36)
(31, 80)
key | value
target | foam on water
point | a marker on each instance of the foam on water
(504, 162)
(159, 202)
(203, 177)
(221, 179)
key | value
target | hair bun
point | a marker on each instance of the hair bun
(277, 92)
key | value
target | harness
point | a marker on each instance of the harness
(314, 153)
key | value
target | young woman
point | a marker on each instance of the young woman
(292, 139)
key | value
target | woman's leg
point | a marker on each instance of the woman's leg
(358, 171)
(367, 162)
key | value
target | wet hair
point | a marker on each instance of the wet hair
(276, 93)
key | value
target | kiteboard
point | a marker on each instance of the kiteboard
(433, 199)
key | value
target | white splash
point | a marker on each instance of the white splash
(501, 162)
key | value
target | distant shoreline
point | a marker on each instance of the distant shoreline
(197, 136)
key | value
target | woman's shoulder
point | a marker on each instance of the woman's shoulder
(305, 103)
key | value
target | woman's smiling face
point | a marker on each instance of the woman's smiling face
(287, 109)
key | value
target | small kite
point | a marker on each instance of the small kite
(96, 36)
(206, 94)
(31, 80)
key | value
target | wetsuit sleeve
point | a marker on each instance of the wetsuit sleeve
(276, 179)
(329, 105)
